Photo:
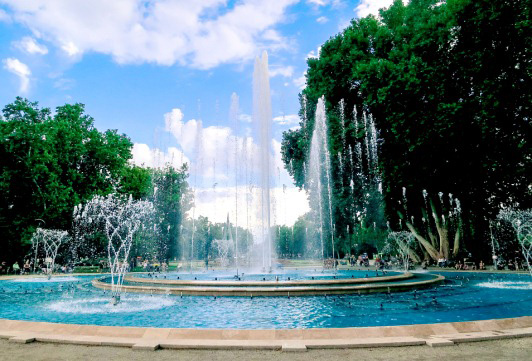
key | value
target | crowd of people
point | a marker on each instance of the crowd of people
(388, 262)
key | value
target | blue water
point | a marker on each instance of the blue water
(464, 297)
(281, 275)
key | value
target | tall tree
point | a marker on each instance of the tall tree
(48, 164)
(448, 86)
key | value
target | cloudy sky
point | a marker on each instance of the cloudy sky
(158, 70)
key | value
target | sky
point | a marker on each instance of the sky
(159, 70)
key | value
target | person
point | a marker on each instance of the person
(365, 258)
(27, 267)
(458, 265)
(481, 265)
(16, 267)
(3, 267)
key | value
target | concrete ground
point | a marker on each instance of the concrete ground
(511, 349)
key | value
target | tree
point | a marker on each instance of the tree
(48, 164)
(447, 85)
(172, 199)
(136, 181)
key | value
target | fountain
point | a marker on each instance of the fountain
(521, 221)
(234, 119)
(50, 240)
(119, 218)
(401, 243)
(225, 244)
(319, 178)
(262, 116)
(198, 156)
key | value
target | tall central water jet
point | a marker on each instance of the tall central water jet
(319, 175)
(233, 115)
(262, 116)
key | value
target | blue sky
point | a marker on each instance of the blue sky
(133, 61)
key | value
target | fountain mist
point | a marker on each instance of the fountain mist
(262, 116)
(319, 177)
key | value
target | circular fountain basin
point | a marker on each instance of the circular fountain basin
(339, 285)
(463, 296)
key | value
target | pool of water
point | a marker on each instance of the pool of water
(463, 297)
(281, 275)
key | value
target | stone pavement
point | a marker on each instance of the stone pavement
(290, 340)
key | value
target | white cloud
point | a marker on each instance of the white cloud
(246, 118)
(30, 46)
(322, 19)
(70, 49)
(314, 53)
(288, 203)
(155, 158)
(288, 119)
(366, 7)
(4, 17)
(301, 82)
(21, 70)
(318, 2)
(201, 33)
(64, 83)
(215, 168)
(343, 24)
(286, 71)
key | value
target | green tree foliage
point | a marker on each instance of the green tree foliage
(136, 181)
(205, 235)
(49, 163)
(448, 84)
(172, 199)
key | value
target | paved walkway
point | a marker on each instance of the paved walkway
(500, 350)
(290, 340)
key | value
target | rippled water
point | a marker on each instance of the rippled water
(465, 296)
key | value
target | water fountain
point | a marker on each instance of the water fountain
(50, 240)
(262, 116)
(521, 221)
(198, 157)
(225, 244)
(233, 115)
(119, 218)
(401, 243)
(319, 177)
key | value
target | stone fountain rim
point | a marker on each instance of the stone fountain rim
(335, 289)
(344, 280)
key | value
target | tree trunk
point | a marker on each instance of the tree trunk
(426, 255)
(457, 238)
(442, 232)
(432, 237)
(431, 250)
